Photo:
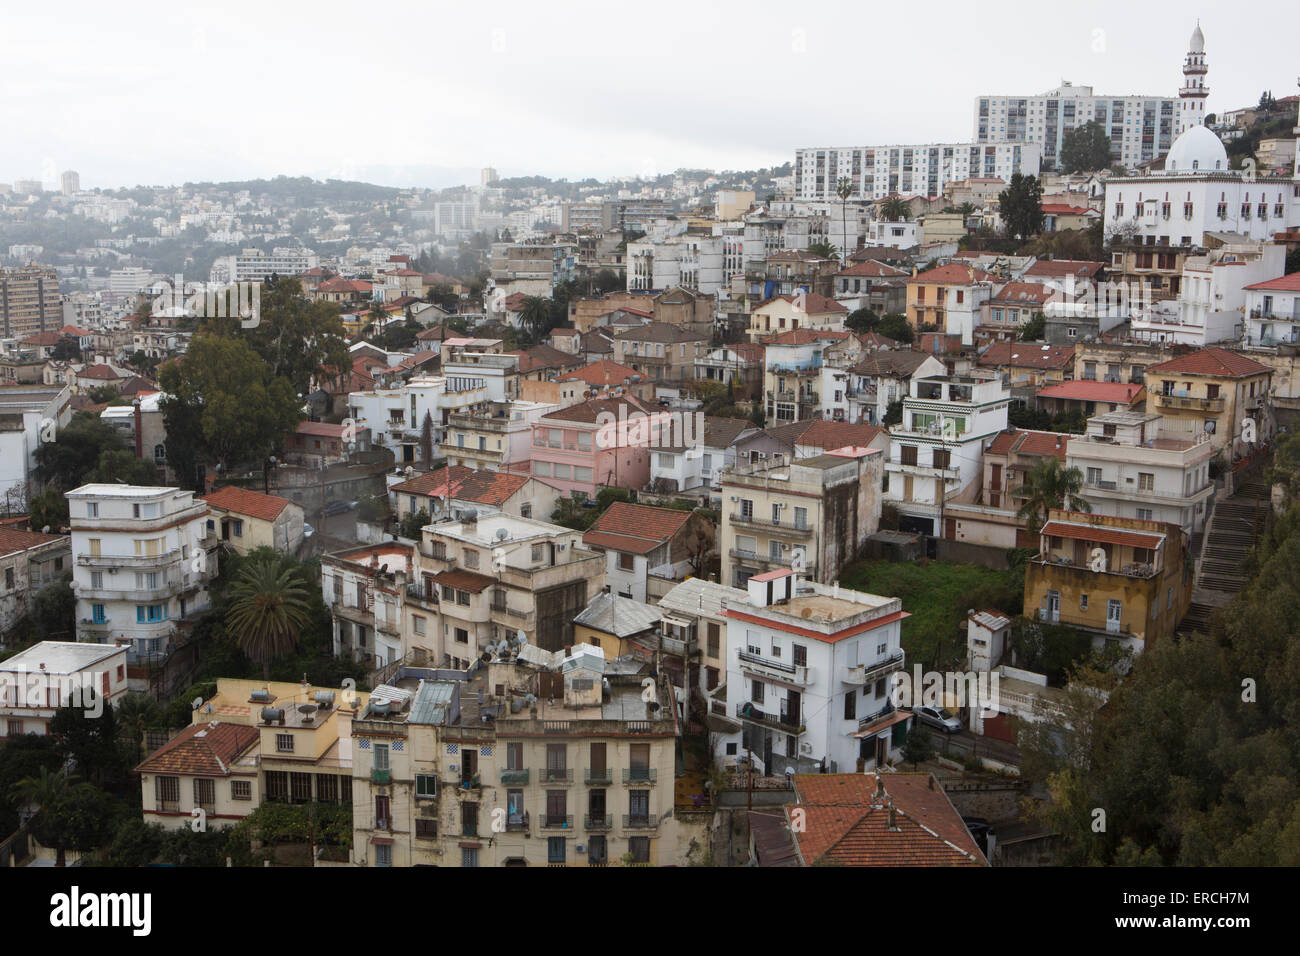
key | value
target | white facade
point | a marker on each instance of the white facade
(1273, 312)
(880, 171)
(1141, 127)
(42, 411)
(808, 670)
(1131, 472)
(38, 681)
(690, 262)
(943, 418)
(143, 558)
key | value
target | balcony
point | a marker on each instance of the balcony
(768, 524)
(636, 775)
(1189, 403)
(773, 667)
(383, 777)
(554, 775)
(784, 722)
(514, 776)
(640, 821)
(598, 822)
(556, 822)
(599, 778)
(867, 673)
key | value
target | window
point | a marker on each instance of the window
(909, 454)
(471, 558)
(756, 691)
(801, 517)
(284, 743)
(92, 509)
(383, 854)
(426, 828)
(639, 847)
(461, 635)
(205, 792)
(469, 819)
(555, 849)
(1144, 514)
(417, 623)
(97, 614)
(426, 785)
(94, 545)
(714, 639)
(1146, 481)
(597, 850)
(241, 790)
(468, 857)
(96, 579)
(851, 705)
(625, 561)
(462, 598)
(381, 757)
(150, 613)
(515, 756)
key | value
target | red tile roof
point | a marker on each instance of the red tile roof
(1060, 268)
(603, 372)
(638, 529)
(1027, 355)
(951, 274)
(1119, 393)
(806, 337)
(872, 269)
(810, 302)
(543, 356)
(1063, 209)
(13, 540)
(1027, 442)
(98, 372)
(490, 487)
(201, 750)
(320, 429)
(338, 284)
(818, 433)
(847, 823)
(1214, 362)
(436, 482)
(1023, 293)
(245, 501)
(589, 412)
(1286, 283)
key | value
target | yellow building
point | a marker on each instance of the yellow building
(1123, 580)
(932, 294)
(245, 520)
(1213, 391)
(550, 761)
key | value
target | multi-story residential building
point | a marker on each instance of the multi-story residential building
(935, 453)
(1273, 311)
(694, 262)
(644, 547)
(792, 368)
(794, 271)
(32, 415)
(29, 560)
(245, 520)
(533, 268)
(544, 760)
(206, 773)
(808, 669)
(320, 444)
(29, 301)
(497, 575)
(1123, 580)
(813, 513)
(494, 435)
(665, 353)
(694, 466)
(253, 265)
(365, 589)
(603, 442)
(1213, 391)
(739, 364)
(924, 170)
(36, 682)
(877, 286)
(144, 559)
(880, 378)
(1130, 471)
(1140, 128)
(949, 298)
(804, 311)
(1011, 306)
(694, 613)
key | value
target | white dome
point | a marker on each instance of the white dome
(1198, 40)
(1197, 150)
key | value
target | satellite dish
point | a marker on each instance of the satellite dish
(502, 534)
(196, 703)
(523, 638)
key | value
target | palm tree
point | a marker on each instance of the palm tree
(894, 209)
(268, 610)
(1048, 485)
(44, 792)
(535, 315)
(135, 714)
(822, 248)
(844, 189)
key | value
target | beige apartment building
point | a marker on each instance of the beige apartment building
(29, 301)
(536, 760)
(817, 511)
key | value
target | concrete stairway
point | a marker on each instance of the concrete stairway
(1234, 529)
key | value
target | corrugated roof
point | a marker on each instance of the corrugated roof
(617, 615)
(1103, 534)
(697, 596)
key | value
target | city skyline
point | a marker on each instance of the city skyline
(682, 91)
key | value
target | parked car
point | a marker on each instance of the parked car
(938, 717)
(980, 830)
(338, 507)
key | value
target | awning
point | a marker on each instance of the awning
(884, 723)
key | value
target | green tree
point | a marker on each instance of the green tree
(844, 189)
(893, 414)
(894, 209)
(413, 524)
(123, 467)
(823, 249)
(1085, 148)
(1049, 484)
(1035, 329)
(1021, 206)
(76, 450)
(917, 746)
(895, 326)
(268, 610)
(70, 815)
(535, 315)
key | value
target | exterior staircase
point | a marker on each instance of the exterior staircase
(1234, 527)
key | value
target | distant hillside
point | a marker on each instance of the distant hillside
(303, 190)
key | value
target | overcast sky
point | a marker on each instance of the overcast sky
(426, 93)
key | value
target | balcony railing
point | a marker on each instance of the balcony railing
(556, 822)
(768, 524)
(599, 778)
(381, 776)
(634, 775)
(756, 663)
(554, 775)
(518, 776)
(1190, 403)
(866, 673)
(639, 821)
(785, 721)
(598, 822)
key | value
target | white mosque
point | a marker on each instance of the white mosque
(1196, 192)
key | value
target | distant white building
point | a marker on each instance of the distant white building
(691, 262)
(38, 681)
(920, 170)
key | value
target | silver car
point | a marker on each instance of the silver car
(938, 717)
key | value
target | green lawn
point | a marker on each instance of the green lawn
(938, 594)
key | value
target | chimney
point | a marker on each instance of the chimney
(893, 816)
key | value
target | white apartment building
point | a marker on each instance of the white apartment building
(920, 170)
(1131, 472)
(129, 280)
(808, 668)
(253, 265)
(33, 415)
(936, 453)
(143, 558)
(38, 681)
(1272, 311)
(692, 262)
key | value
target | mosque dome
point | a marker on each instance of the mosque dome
(1197, 150)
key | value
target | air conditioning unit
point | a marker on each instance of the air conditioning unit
(805, 748)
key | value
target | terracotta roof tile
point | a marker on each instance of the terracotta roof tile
(603, 372)
(638, 529)
(245, 501)
(464, 580)
(13, 540)
(951, 274)
(1027, 355)
(201, 750)
(1214, 362)
(1102, 534)
(1080, 390)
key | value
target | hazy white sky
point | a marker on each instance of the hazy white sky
(424, 93)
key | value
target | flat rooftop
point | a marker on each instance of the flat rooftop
(824, 607)
(60, 657)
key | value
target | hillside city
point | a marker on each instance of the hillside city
(898, 505)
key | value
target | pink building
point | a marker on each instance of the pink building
(599, 443)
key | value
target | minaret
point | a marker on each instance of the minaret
(1191, 98)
